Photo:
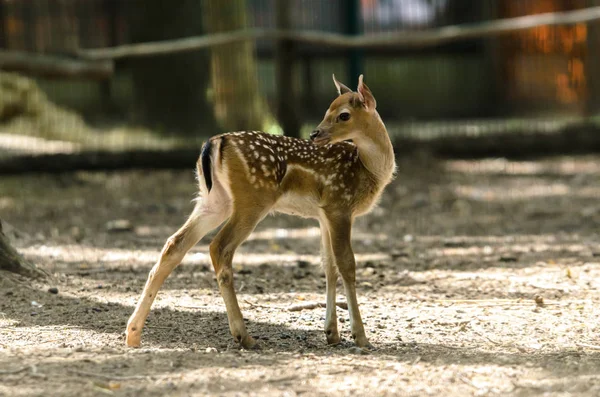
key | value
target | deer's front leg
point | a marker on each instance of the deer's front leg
(331, 276)
(340, 232)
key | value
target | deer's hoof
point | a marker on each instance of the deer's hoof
(333, 337)
(133, 337)
(364, 343)
(249, 343)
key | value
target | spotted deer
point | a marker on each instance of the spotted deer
(334, 177)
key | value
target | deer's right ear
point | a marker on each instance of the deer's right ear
(341, 89)
(365, 95)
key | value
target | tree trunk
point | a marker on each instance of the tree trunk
(238, 104)
(287, 105)
(3, 38)
(12, 261)
(170, 90)
(592, 65)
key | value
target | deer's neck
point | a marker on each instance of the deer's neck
(376, 152)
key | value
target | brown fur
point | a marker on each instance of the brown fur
(255, 173)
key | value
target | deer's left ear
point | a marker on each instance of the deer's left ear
(341, 89)
(365, 95)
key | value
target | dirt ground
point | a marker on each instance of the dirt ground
(449, 268)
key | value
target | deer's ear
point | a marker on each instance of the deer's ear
(341, 89)
(365, 95)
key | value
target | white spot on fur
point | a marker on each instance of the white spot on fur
(265, 170)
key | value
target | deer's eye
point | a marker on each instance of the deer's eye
(344, 116)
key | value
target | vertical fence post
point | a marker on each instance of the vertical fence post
(111, 14)
(308, 85)
(353, 27)
(284, 54)
(3, 37)
(29, 19)
(494, 62)
(592, 66)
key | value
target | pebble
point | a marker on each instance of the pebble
(211, 350)
(395, 254)
(53, 290)
(303, 264)
(299, 274)
(539, 300)
(119, 225)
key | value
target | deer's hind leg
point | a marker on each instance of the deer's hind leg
(208, 214)
(242, 222)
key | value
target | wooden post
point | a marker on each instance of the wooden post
(308, 85)
(28, 18)
(353, 27)
(592, 66)
(494, 64)
(3, 37)
(111, 15)
(287, 106)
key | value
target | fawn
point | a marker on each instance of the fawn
(243, 176)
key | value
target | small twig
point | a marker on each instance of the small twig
(467, 381)
(109, 377)
(50, 341)
(191, 306)
(588, 346)
(488, 338)
(340, 371)
(103, 390)
(15, 371)
(500, 302)
(474, 300)
(283, 379)
(258, 305)
(315, 305)
(83, 271)
(28, 330)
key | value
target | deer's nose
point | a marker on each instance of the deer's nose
(314, 134)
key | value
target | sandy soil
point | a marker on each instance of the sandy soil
(450, 266)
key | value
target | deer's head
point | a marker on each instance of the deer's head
(349, 115)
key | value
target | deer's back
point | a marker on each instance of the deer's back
(297, 175)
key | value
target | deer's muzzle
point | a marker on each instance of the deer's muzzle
(320, 137)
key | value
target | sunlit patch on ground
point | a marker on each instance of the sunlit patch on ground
(474, 278)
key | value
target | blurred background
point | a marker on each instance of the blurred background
(478, 272)
(526, 92)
